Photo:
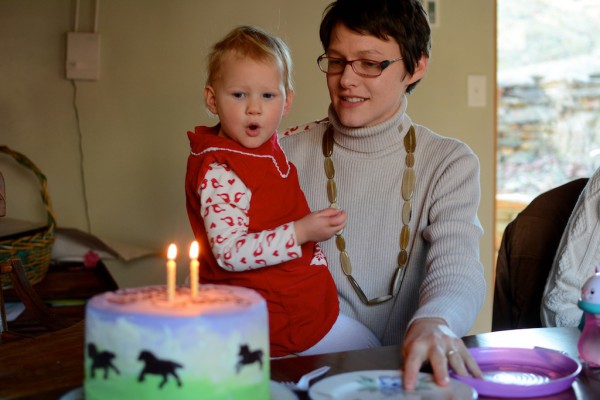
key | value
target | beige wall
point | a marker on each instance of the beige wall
(132, 122)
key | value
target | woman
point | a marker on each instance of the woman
(407, 264)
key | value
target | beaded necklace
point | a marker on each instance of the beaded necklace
(407, 189)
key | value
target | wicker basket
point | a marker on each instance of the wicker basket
(34, 249)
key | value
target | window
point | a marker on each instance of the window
(548, 98)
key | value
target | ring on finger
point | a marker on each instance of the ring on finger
(450, 353)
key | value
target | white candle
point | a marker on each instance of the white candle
(171, 271)
(194, 265)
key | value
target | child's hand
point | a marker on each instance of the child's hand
(320, 225)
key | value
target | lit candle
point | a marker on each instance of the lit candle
(194, 265)
(171, 270)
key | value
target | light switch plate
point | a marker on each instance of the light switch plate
(83, 56)
(476, 90)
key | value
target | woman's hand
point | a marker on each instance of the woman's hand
(430, 339)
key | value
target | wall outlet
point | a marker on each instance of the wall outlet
(83, 56)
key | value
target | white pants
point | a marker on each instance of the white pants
(345, 334)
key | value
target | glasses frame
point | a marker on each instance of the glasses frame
(382, 64)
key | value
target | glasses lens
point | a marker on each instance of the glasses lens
(331, 65)
(367, 67)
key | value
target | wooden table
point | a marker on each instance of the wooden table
(42, 367)
(586, 387)
(48, 366)
(36, 363)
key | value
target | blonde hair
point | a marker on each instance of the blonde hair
(255, 43)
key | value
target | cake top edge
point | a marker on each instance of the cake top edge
(153, 300)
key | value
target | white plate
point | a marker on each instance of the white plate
(75, 394)
(386, 384)
(278, 392)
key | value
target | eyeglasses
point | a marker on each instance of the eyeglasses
(367, 68)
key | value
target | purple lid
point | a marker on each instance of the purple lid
(521, 372)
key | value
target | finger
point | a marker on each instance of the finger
(340, 215)
(410, 373)
(341, 225)
(461, 361)
(332, 212)
(338, 221)
(439, 365)
(456, 362)
(472, 366)
(325, 213)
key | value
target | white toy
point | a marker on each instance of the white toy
(589, 341)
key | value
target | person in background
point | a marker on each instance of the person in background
(245, 204)
(576, 259)
(525, 256)
(407, 263)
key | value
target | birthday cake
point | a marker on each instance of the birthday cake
(139, 345)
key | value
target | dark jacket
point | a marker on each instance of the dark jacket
(528, 247)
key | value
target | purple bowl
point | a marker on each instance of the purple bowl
(511, 372)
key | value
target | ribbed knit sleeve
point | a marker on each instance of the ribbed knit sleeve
(454, 281)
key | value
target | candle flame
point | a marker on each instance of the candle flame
(172, 252)
(194, 250)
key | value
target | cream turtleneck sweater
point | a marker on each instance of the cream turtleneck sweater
(444, 276)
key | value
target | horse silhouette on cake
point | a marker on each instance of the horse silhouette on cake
(155, 366)
(101, 360)
(248, 357)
